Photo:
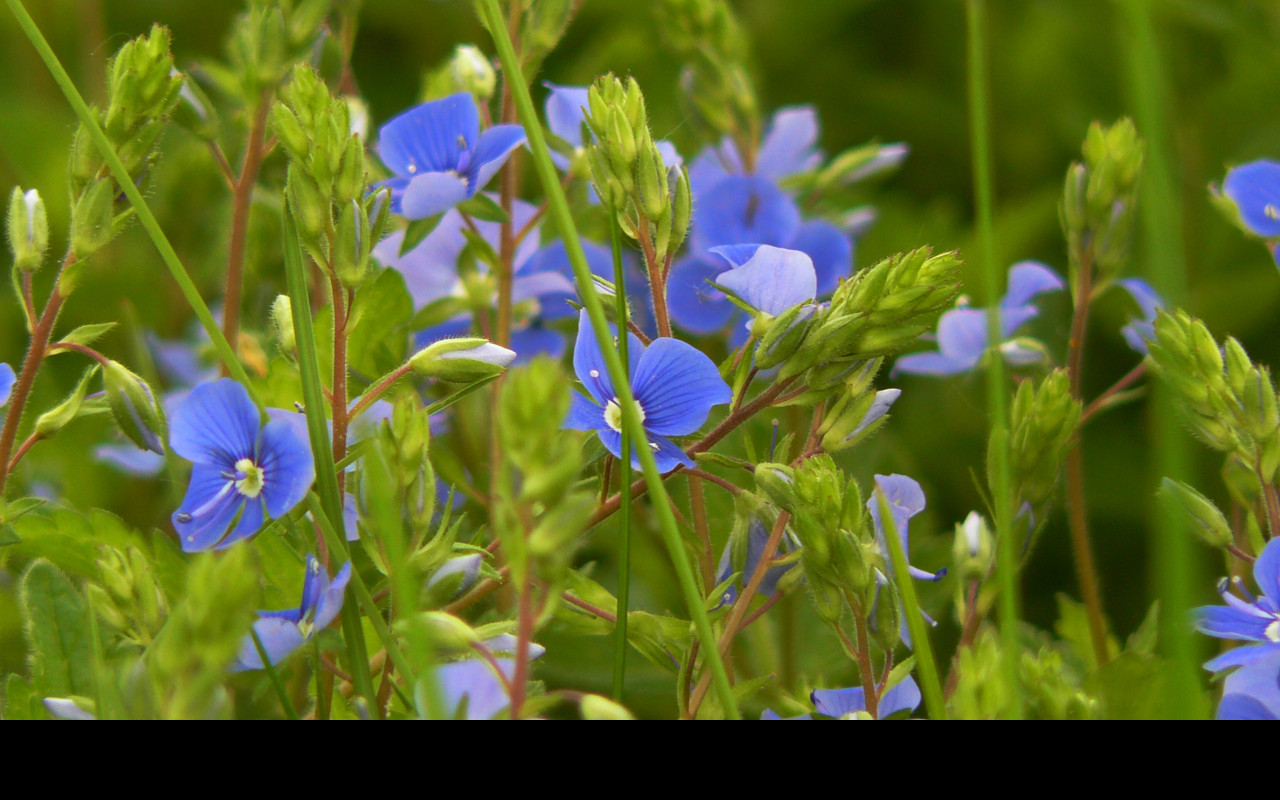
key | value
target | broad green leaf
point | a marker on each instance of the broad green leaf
(57, 633)
(483, 207)
(88, 334)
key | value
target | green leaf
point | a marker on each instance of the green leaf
(484, 207)
(18, 700)
(377, 340)
(57, 633)
(88, 334)
(1132, 686)
(482, 249)
(54, 420)
(418, 230)
(70, 539)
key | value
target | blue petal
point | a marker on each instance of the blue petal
(207, 509)
(669, 154)
(830, 249)
(129, 459)
(478, 684)
(741, 209)
(216, 424)
(279, 638)
(735, 255)
(492, 152)
(1225, 622)
(467, 566)
(588, 360)
(432, 137)
(839, 702)
(1241, 656)
(1266, 571)
(694, 304)
(1029, 279)
(565, 116)
(930, 364)
(713, 165)
(962, 335)
(432, 193)
(248, 524)
(1255, 189)
(773, 280)
(769, 713)
(1256, 689)
(584, 415)
(6, 383)
(529, 343)
(430, 270)
(903, 697)
(666, 453)
(287, 467)
(1243, 707)
(677, 385)
(330, 603)
(788, 145)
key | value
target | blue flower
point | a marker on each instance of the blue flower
(674, 385)
(769, 279)
(1255, 189)
(962, 332)
(906, 499)
(788, 148)
(243, 470)
(472, 689)
(440, 157)
(1253, 691)
(7, 379)
(757, 538)
(840, 703)
(282, 632)
(1256, 619)
(747, 209)
(1142, 330)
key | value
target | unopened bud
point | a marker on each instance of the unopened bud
(134, 407)
(462, 360)
(28, 229)
(1208, 522)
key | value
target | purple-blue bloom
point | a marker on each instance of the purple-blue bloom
(472, 689)
(439, 155)
(674, 385)
(1253, 619)
(7, 379)
(243, 470)
(840, 703)
(962, 332)
(789, 147)
(1255, 189)
(769, 279)
(282, 632)
(757, 538)
(906, 499)
(1141, 330)
(1253, 691)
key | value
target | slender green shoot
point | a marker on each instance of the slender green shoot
(926, 667)
(997, 401)
(624, 471)
(491, 16)
(274, 676)
(225, 351)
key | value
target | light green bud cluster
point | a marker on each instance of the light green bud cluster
(406, 440)
(714, 83)
(534, 401)
(1229, 401)
(1098, 200)
(878, 312)
(1044, 420)
(127, 597)
(466, 70)
(983, 692)
(268, 38)
(651, 201)
(327, 181)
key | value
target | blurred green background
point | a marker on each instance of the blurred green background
(892, 70)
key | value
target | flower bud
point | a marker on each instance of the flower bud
(282, 322)
(855, 419)
(349, 257)
(777, 483)
(309, 207)
(595, 707)
(681, 209)
(57, 418)
(92, 219)
(461, 360)
(28, 229)
(973, 550)
(288, 130)
(134, 407)
(472, 72)
(1208, 522)
(651, 183)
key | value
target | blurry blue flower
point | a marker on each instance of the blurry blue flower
(1254, 619)
(674, 385)
(282, 632)
(7, 379)
(770, 714)
(841, 703)
(906, 499)
(1142, 330)
(472, 689)
(962, 332)
(243, 470)
(440, 157)
(757, 538)
(769, 279)
(788, 147)
(747, 209)
(468, 567)
(1255, 189)
(1253, 691)
(66, 708)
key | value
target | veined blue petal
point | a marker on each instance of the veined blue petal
(1266, 571)
(1225, 622)
(742, 209)
(666, 453)
(677, 385)
(432, 137)
(1029, 279)
(694, 304)
(1253, 691)
(217, 424)
(7, 379)
(773, 280)
(432, 193)
(207, 509)
(830, 249)
(735, 255)
(287, 467)
(1255, 189)
(788, 145)
(248, 524)
(588, 361)
(491, 153)
(584, 415)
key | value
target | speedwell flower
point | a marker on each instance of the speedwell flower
(1252, 692)
(1142, 330)
(1254, 619)
(962, 332)
(440, 157)
(243, 470)
(674, 385)
(1255, 190)
(282, 632)
(841, 703)
(769, 279)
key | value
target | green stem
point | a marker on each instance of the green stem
(624, 473)
(926, 668)
(274, 676)
(997, 404)
(167, 254)
(595, 310)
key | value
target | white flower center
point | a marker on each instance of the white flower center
(251, 484)
(1273, 631)
(613, 414)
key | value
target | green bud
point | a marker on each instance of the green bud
(681, 210)
(1208, 522)
(134, 407)
(288, 130)
(461, 360)
(472, 72)
(349, 256)
(91, 221)
(651, 184)
(784, 335)
(57, 418)
(282, 323)
(857, 417)
(595, 707)
(193, 110)
(1045, 417)
(777, 483)
(973, 550)
(309, 207)
(350, 184)
(28, 229)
